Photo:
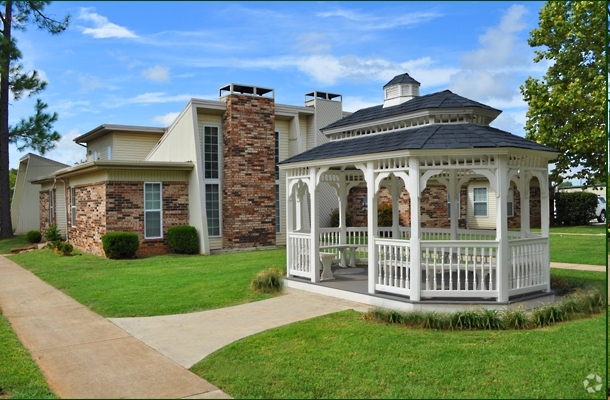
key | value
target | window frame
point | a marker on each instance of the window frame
(475, 202)
(212, 181)
(153, 210)
(109, 153)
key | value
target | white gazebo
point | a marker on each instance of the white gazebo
(408, 142)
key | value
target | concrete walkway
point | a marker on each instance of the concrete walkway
(83, 355)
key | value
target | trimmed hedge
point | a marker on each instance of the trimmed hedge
(33, 236)
(120, 244)
(183, 239)
(575, 208)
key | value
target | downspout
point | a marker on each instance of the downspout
(65, 207)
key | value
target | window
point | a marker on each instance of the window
(211, 173)
(109, 152)
(51, 206)
(73, 206)
(212, 209)
(480, 201)
(509, 203)
(152, 210)
(278, 203)
(95, 156)
(210, 152)
(449, 206)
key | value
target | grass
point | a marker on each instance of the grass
(586, 229)
(20, 377)
(572, 249)
(16, 241)
(342, 356)
(168, 284)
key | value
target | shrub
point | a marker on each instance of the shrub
(575, 208)
(66, 249)
(334, 218)
(384, 215)
(183, 239)
(33, 237)
(268, 281)
(55, 245)
(52, 234)
(120, 244)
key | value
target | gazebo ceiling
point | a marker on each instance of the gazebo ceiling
(429, 137)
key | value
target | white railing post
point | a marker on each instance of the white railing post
(342, 207)
(395, 193)
(544, 232)
(502, 228)
(371, 194)
(415, 241)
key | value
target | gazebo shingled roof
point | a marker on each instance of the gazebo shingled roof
(444, 99)
(429, 137)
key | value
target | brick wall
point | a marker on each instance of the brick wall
(434, 207)
(90, 218)
(248, 192)
(119, 206)
(44, 206)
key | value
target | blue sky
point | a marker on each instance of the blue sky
(138, 63)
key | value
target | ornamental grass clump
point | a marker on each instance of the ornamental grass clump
(268, 281)
(120, 244)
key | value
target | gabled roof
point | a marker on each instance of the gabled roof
(430, 137)
(444, 99)
(404, 78)
(43, 159)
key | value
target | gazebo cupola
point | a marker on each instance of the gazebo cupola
(400, 89)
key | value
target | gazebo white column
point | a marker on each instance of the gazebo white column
(544, 228)
(415, 241)
(502, 228)
(454, 196)
(395, 193)
(371, 194)
(314, 247)
(342, 195)
(524, 200)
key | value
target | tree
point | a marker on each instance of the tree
(34, 132)
(567, 108)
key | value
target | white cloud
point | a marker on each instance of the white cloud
(156, 74)
(103, 28)
(88, 82)
(313, 42)
(493, 71)
(353, 104)
(374, 22)
(150, 98)
(66, 151)
(509, 122)
(167, 119)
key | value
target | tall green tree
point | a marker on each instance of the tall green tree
(35, 132)
(567, 107)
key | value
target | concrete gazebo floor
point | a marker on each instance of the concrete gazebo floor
(351, 283)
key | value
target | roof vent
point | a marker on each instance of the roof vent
(246, 89)
(400, 89)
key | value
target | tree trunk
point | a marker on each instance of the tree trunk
(6, 226)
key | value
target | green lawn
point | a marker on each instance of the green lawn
(168, 284)
(7, 244)
(20, 377)
(575, 249)
(342, 356)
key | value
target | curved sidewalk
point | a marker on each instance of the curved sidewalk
(83, 355)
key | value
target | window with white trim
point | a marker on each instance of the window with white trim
(109, 153)
(449, 206)
(510, 209)
(211, 173)
(73, 206)
(153, 223)
(278, 205)
(479, 197)
(95, 156)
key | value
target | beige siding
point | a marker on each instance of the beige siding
(283, 126)
(61, 194)
(88, 179)
(133, 146)
(25, 210)
(181, 142)
(101, 146)
(151, 176)
(488, 222)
